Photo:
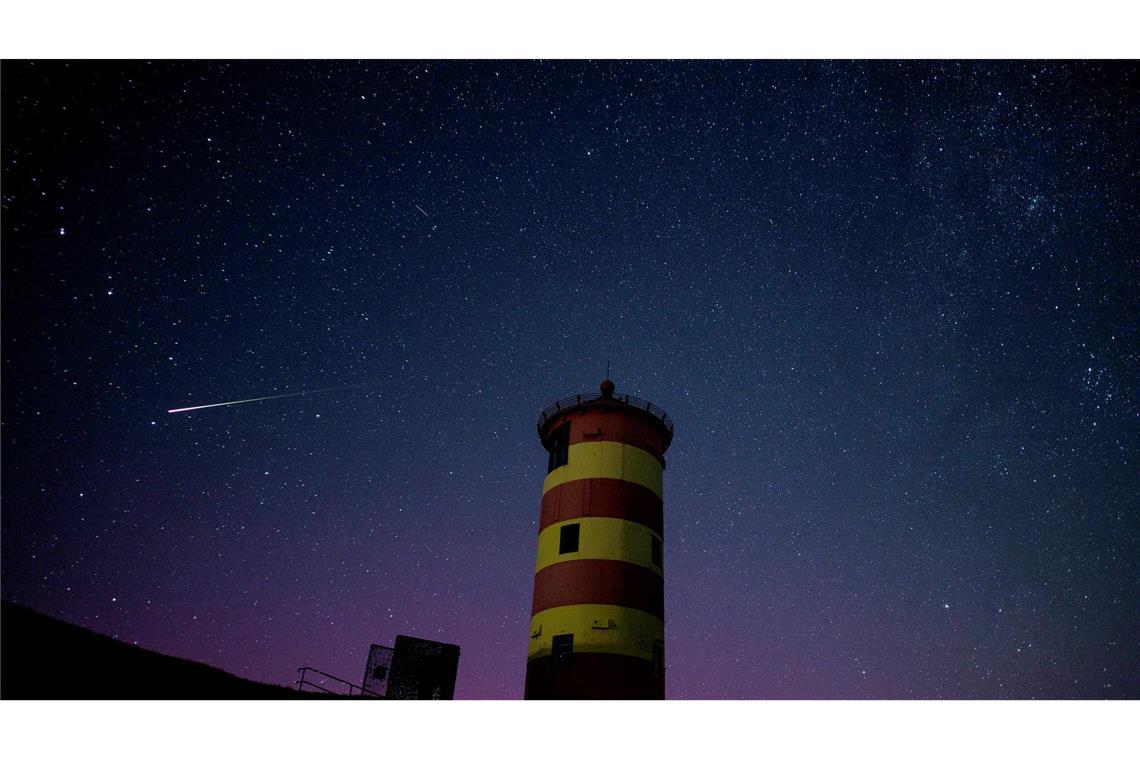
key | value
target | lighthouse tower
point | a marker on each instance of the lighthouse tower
(597, 627)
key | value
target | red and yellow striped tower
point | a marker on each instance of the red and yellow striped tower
(597, 627)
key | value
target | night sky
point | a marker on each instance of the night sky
(890, 306)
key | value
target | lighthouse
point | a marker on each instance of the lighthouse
(597, 628)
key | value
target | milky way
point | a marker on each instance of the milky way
(891, 308)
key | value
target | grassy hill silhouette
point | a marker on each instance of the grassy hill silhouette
(45, 658)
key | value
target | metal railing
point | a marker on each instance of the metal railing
(585, 398)
(302, 683)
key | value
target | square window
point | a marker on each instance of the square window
(568, 538)
(559, 448)
(656, 551)
(561, 649)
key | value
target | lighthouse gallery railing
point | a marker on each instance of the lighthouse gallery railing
(585, 398)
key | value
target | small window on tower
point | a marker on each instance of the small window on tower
(656, 551)
(568, 538)
(559, 448)
(561, 649)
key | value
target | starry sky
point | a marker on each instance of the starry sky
(890, 306)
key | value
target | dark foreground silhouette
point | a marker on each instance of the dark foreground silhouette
(45, 658)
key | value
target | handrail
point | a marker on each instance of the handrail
(570, 402)
(301, 683)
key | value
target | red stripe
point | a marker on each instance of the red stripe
(599, 581)
(609, 424)
(602, 497)
(594, 676)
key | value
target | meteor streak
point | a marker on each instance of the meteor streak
(260, 398)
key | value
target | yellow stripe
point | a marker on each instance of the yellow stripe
(599, 538)
(608, 459)
(632, 632)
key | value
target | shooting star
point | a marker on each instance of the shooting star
(262, 398)
(421, 210)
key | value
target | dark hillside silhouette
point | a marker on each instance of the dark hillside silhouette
(45, 658)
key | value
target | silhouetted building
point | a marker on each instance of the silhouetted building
(422, 669)
(598, 616)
